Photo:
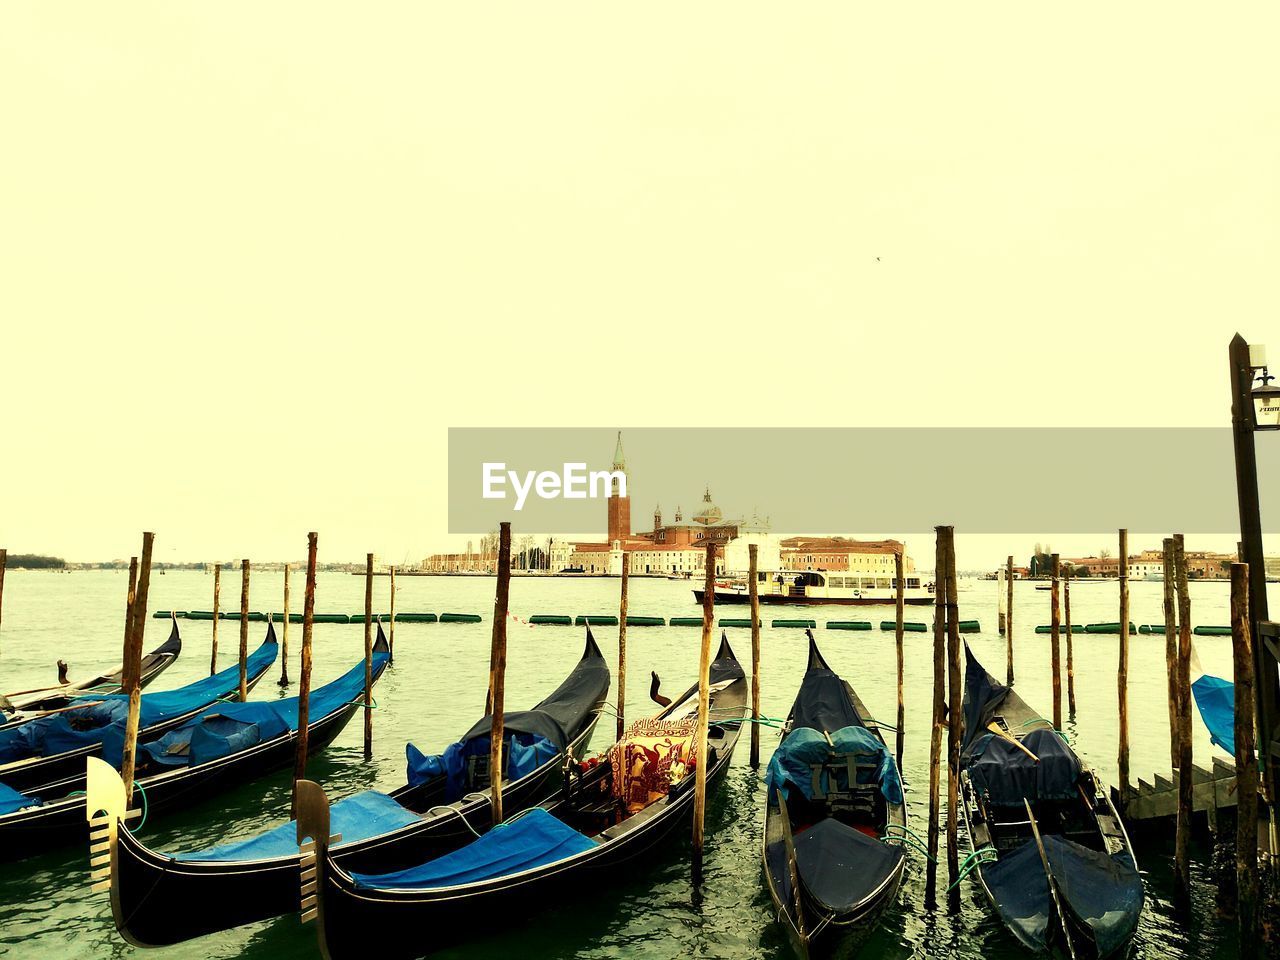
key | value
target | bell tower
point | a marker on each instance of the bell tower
(619, 505)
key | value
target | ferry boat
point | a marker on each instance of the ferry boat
(804, 587)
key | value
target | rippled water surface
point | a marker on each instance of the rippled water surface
(437, 689)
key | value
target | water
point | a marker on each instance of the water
(437, 689)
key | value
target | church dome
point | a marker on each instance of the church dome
(709, 512)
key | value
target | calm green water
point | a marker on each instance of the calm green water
(437, 689)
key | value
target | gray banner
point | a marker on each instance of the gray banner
(981, 480)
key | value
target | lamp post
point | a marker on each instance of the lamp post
(1256, 408)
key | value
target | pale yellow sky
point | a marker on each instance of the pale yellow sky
(258, 257)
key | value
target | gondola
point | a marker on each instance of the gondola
(24, 705)
(52, 813)
(1050, 851)
(834, 818)
(152, 893)
(609, 817)
(47, 754)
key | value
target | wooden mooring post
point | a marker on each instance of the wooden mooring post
(899, 602)
(1008, 622)
(704, 707)
(498, 669)
(1122, 673)
(132, 672)
(939, 715)
(284, 628)
(244, 629)
(622, 645)
(753, 589)
(4, 562)
(1246, 763)
(1171, 646)
(217, 590)
(368, 656)
(954, 716)
(1071, 658)
(1055, 649)
(391, 621)
(304, 670)
(1182, 835)
(128, 607)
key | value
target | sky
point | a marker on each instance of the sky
(258, 258)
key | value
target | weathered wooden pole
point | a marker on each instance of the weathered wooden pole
(132, 673)
(753, 553)
(1008, 623)
(899, 602)
(1071, 658)
(704, 708)
(244, 629)
(939, 714)
(622, 644)
(304, 671)
(217, 590)
(1246, 763)
(1055, 649)
(1182, 835)
(391, 625)
(498, 668)
(368, 656)
(1122, 671)
(1171, 646)
(4, 562)
(284, 624)
(955, 716)
(128, 609)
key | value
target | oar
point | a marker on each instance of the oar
(1048, 875)
(797, 894)
(999, 732)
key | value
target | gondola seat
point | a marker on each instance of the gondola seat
(652, 758)
(841, 866)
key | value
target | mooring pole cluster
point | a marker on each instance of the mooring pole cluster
(753, 552)
(498, 668)
(304, 670)
(704, 707)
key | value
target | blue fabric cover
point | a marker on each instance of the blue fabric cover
(229, 727)
(534, 840)
(358, 817)
(11, 800)
(842, 867)
(791, 763)
(1006, 776)
(1216, 699)
(525, 753)
(983, 695)
(103, 723)
(1103, 892)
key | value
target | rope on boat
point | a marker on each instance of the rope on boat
(908, 837)
(972, 862)
(373, 703)
(461, 816)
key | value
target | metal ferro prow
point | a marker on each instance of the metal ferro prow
(313, 847)
(104, 808)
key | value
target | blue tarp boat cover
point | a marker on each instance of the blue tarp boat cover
(103, 723)
(1104, 892)
(1006, 776)
(525, 752)
(11, 800)
(793, 761)
(358, 817)
(534, 840)
(841, 866)
(230, 727)
(1216, 699)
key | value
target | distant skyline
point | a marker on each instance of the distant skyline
(260, 258)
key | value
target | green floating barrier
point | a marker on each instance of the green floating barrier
(165, 614)
(732, 622)
(202, 615)
(1152, 628)
(333, 618)
(687, 621)
(459, 618)
(416, 618)
(810, 624)
(1212, 631)
(550, 620)
(597, 620)
(907, 627)
(1075, 628)
(295, 618)
(646, 622)
(848, 625)
(970, 626)
(1107, 627)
